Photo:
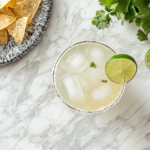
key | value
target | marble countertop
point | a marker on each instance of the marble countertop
(32, 117)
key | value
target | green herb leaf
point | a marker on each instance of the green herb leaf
(102, 2)
(109, 2)
(139, 22)
(120, 16)
(102, 20)
(106, 2)
(108, 9)
(146, 25)
(114, 6)
(146, 2)
(142, 36)
(131, 14)
(93, 65)
(143, 8)
(123, 6)
(104, 81)
(113, 9)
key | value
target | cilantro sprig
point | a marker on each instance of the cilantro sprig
(125, 10)
(102, 20)
(93, 65)
(104, 81)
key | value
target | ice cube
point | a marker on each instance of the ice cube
(96, 55)
(83, 82)
(70, 87)
(60, 72)
(99, 92)
(75, 62)
(91, 75)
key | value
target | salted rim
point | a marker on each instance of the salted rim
(56, 91)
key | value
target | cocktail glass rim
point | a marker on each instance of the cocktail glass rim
(65, 102)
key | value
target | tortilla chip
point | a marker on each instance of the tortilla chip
(3, 3)
(17, 29)
(6, 20)
(28, 8)
(16, 13)
(17, 1)
(8, 33)
(3, 36)
(6, 11)
(11, 4)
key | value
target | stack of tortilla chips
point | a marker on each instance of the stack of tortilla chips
(15, 16)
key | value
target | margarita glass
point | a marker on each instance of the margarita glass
(80, 81)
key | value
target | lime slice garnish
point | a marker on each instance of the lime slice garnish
(119, 67)
(147, 59)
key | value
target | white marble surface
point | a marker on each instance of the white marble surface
(32, 117)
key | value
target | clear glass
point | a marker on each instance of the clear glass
(84, 81)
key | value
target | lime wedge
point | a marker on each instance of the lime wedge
(147, 59)
(119, 67)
